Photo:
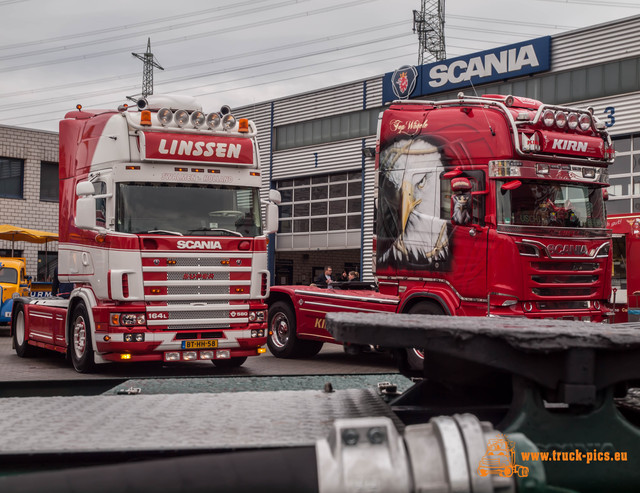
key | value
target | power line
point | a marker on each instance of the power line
(95, 32)
(190, 37)
(263, 63)
(148, 32)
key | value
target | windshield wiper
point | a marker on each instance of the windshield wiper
(234, 233)
(160, 231)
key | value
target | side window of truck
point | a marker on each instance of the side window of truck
(478, 183)
(101, 204)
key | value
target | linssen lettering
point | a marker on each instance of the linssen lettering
(178, 147)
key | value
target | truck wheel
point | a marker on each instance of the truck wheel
(413, 359)
(230, 363)
(79, 342)
(22, 347)
(282, 339)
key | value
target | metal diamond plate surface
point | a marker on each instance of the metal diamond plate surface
(108, 423)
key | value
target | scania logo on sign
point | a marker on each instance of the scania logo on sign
(199, 245)
(567, 250)
(506, 62)
(404, 81)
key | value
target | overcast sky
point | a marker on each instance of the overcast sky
(55, 54)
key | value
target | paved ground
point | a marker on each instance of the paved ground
(52, 366)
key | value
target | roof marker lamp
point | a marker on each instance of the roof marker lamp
(243, 125)
(197, 119)
(213, 120)
(181, 117)
(165, 115)
(548, 118)
(145, 118)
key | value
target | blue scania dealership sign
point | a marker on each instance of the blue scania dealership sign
(506, 62)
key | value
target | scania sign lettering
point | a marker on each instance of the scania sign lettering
(199, 245)
(567, 250)
(509, 61)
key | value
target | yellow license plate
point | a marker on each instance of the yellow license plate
(200, 344)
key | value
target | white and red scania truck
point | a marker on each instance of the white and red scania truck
(486, 205)
(161, 235)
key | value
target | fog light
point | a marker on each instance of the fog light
(172, 356)
(189, 355)
(223, 354)
(206, 354)
(128, 338)
(139, 337)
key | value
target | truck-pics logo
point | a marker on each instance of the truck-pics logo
(199, 245)
(500, 459)
(192, 276)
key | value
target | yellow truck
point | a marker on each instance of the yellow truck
(13, 283)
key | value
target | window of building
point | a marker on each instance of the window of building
(7, 252)
(333, 128)
(11, 177)
(624, 176)
(321, 203)
(47, 263)
(49, 182)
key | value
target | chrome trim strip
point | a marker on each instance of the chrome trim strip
(345, 297)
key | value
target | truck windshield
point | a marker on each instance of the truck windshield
(8, 275)
(538, 203)
(210, 210)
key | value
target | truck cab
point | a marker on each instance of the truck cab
(13, 283)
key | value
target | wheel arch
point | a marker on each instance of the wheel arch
(415, 298)
(17, 303)
(276, 296)
(86, 297)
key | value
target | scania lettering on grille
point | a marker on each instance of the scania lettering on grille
(199, 245)
(568, 250)
(190, 276)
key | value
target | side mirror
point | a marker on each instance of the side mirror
(84, 188)
(274, 196)
(271, 218)
(86, 212)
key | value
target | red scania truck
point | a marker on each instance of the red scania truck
(625, 279)
(161, 236)
(486, 205)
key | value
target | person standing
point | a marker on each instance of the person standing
(325, 280)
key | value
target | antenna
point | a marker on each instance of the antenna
(147, 70)
(428, 23)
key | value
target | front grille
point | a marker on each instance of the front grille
(194, 315)
(564, 279)
(193, 289)
(567, 266)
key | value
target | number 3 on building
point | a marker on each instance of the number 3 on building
(610, 111)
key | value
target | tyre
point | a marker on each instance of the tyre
(230, 363)
(79, 342)
(413, 358)
(22, 347)
(282, 339)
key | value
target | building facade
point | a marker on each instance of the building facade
(29, 194)
(316, 147)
